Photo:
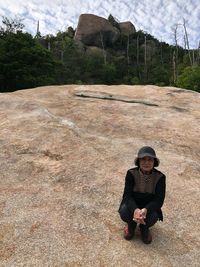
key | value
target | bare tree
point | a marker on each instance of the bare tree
(185, 45)
(187, 41)
(193, 57)
(127, 52)
(176, 38)
(145, 56)
(175, 53)
(104, 52)
(138, 55)
(174, 66)
(49, 45)
(198, 54)
(161, 53)
(47, 38)
(38, 34)
(138, 49)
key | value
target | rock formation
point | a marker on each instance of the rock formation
(95, 31)
(127, 28)
(64, 153)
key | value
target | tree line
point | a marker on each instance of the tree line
(139, 58)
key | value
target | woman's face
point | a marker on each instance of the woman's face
(146, 164)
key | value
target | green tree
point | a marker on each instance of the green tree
(23, 62)
(108, 73)
(190, 78)
(113, 21)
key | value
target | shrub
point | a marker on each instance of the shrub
(190, 78)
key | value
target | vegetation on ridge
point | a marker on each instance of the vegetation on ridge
(138, 58)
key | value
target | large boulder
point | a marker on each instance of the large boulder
(93, 30)
(127, 27)
(64, 152)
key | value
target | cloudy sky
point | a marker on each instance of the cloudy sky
(157, 17)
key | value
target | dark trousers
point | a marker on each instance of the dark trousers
(127, 216)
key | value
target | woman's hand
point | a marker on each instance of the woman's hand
(144, 212)
(139, 215)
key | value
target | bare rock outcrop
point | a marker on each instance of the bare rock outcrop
(93, 30)
(127, 27)
(64, 153)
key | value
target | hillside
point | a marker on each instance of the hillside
(64, 153)
(100, 51)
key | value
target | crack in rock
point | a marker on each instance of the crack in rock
(106, 96)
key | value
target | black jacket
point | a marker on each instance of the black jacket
(150, 201)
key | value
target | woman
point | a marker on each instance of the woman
(143, 196)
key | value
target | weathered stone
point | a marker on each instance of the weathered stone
(127, 27)
(64, 153)
(95, 31)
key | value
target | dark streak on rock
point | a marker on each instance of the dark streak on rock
(179, 109)
(102, 95)
(179, 91)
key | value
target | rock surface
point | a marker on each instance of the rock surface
(92, 30)
(64, 153)
(127, 28)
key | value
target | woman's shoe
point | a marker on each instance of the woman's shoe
(129, 231)
(145, 234)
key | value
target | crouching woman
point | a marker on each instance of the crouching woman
(144, 194)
